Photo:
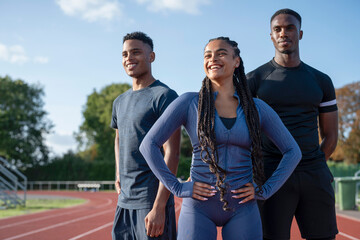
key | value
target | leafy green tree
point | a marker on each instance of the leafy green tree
(95, 136)
(71, 167)
(186, 147)
(348, 98)
(184, 168)
(352, 144)
(185, 156)
(23, 123)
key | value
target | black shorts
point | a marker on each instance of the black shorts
(309, 196)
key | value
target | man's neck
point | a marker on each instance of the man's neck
(140, 83)
(287, 60)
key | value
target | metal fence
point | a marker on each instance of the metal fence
(70, 185)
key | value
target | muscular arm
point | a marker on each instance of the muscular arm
(154, 221)
(117, 151)
(328, 125)
(171, 157)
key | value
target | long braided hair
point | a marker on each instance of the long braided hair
(206, 126)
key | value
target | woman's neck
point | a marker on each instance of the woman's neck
(224, 88)
(225, 103)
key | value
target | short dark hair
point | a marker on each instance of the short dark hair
(286, 11)
(139, 36)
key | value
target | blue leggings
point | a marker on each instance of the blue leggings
(198, 220)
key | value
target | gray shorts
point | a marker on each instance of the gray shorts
(129, 224)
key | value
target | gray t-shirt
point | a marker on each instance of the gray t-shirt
(133, 114)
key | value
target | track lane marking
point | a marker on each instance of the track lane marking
(352, 219)
(57, 225)
(178, 208)
(348, 236)
(108, 202)
(40, 218)
(92, 231)
(348, 217)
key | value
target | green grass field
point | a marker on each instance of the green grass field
(41, 204)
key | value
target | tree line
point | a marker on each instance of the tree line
(24, 126)
(348, 100)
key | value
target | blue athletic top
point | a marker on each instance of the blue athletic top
(233, 147)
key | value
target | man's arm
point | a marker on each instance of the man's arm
(117, 173)
(328, 124)
(155, 220)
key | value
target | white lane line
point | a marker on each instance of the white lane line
(348, 217)
(58, 225)
(351, 219)
(178, 207)
(348, 236)
(92, 231)
(108, 202)
(40, 218)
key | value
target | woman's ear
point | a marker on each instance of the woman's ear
(237, 62)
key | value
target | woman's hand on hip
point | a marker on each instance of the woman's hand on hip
(202, 191)
(247, 192)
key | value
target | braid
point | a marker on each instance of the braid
(207, 137)
(253, 123)
(206, 127)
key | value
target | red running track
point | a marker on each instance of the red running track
(93, 221)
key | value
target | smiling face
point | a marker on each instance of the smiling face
(219, 60)
(137, 57)
(285, 33)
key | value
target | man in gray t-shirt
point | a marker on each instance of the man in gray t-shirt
(144, 209)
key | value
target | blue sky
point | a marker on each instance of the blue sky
(71, 47)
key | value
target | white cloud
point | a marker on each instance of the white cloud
(91, 10)
(16, 54)
(17, 49)
(188, 6)
(41, 60)
(18, 58)
(13, 54)
(4, 52)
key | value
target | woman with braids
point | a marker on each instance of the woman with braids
(224, 124)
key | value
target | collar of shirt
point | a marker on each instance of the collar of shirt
(235, 95)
